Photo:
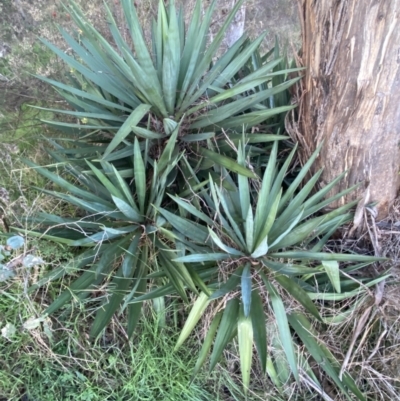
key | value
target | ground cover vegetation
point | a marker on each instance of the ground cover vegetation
(179, 184)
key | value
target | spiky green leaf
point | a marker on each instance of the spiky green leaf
(246, 284)
(283, 326)
(195, 315)
(226, 329)
(259, 328)
(245, 339)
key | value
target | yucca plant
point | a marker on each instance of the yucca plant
(267, 244)
(167, 171)
(248, 231)
(127, 91)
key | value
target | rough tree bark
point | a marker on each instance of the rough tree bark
(351, 98)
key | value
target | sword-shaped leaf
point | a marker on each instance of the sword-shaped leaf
(166, 157)
(299, 178)
(334, 296)
(238, 62)
(332, 270)
(262, 225)
(246, 284)
(207, 344)
(202, 65)
(99, 79)
(283, 326)
(189, 229)
(219, 115)
(226, 162)
(63, 183)
(340, 257)
(131, 257)
(193, 210)
(126, 127)
(200, 258)
(174, 278)
(297, 202)
(91, 277)
(262, 249)
(245, 339)
(299, 233)
(114, 191)
(229, 250)
(121, 183)
(134, 310)
(84, 114)
(259, 328)
(231, 93)
(196, 93)
(85, 95)
(146, 88)
(140, 176)
(142, 53)
(103, 209)
(127, 210)
(158, 292)
(249, 227)
(194, 48)
(219, 198)
(243, 183)
(293, 224)
(272, 373)
(226, 330)
(299, 294)
(118, 287)
(171, 61)
(195, 315)
(75, 264)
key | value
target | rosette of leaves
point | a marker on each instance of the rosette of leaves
(267, 244)
(242, 240)
(121, 227)
(128, 89)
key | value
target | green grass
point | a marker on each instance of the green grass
(53, 360)
(23, 127)
(65, 366)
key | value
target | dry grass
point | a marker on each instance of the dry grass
(366, 341)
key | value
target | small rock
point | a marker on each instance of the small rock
(8, 331)
(5, 49)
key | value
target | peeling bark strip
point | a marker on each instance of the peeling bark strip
(351, 49)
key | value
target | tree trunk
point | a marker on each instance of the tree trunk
(351, 97)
